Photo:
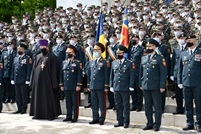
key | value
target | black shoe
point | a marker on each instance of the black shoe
(173, 96)
(177, 113)
(88, 106)
(156, 129)
(67, 119)
(198, 128)
(188, 127)
(74, 120)
(6, 101)
(50, 119)
(62, 98)
(125, 126)
(34, 118)
(133, 109)
(17, 112)
(23, 112)
(148, 128)
(138, 110)
(94, 122)
(101, 122)
(118, 125)
(12, 101)
(110, 107)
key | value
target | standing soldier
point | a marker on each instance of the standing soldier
(88, 58)
(71, 82)
(36, 48)
(121, 83)
(111, 51)
(59, 50)
(20, 75)
(153, 73)
(136, 52)
(174, 72)
(188, 78)
(98, 83)
(7, 59)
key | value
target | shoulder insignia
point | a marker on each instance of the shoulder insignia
(108, 64)
(80, 65)
(164, 62)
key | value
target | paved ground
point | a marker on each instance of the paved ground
(23, 124)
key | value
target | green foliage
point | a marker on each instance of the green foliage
(10, 8)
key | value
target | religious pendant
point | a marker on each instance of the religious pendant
(42, 65)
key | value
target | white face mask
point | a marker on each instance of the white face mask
(89, 41)
(181, 41)
(177, 33)
(59, 42)
(153, 12)
(84, 17)
(114, 20)
(138, 14)
(199, 27)
(9, 48)
(111, 40)
(45, 36)
(164, 10)
(145, 17)
(135, 31)
(118, 36)
(169, 15)
(37, 41)
(72, 42)
(141, 33)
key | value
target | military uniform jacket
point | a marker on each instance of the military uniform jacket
(114, 49)
(135, 57)
(190, 68)
(1, 72)
(80, 54)
(21, 69)
(7, 60)
(122, 76)
(60, 52)
(71, 74)
(153, 73)
(98, 74)
(175, 62)
(35, 51)
(88, 53)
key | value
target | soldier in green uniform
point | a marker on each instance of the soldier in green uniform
(71, 82)
(188, 78)
(122, 79)
(153, 74)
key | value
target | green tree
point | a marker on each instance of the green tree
(17, 8)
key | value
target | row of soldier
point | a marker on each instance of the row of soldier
(76, 27)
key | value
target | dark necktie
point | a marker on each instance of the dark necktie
(182, 48)
(120, 62)
(191, 52)
(149, 58)
(133, 49)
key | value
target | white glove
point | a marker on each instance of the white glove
(0, 84)
(12, 82)
(27, 82)
(112, 89)
(131, 89)
(172, 78)
(180, 86)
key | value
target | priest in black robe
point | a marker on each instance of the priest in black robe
(44, 83)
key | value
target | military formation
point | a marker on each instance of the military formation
(164, 47)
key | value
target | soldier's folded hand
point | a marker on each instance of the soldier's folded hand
(180, 86)
(131, 89)
(88, 89)
(62, 88)
(78, 88)
(12, 82)
(172, 78)
(112, 89)
(141, 88)
(162, 90)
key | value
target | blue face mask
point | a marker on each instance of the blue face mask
(95, 54)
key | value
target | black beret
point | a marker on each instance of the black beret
(182, 35)
(59, 36)
(192, 36)
(21, 45)
(135, 36)
(99, 46)
(122, 48)
(151, 42)
(71, 48)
